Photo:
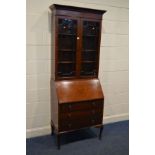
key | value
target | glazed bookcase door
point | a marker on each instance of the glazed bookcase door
(67, 45)
(90, 48)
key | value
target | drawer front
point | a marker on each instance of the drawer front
(68, 125)
(76, 115)
(70, 107)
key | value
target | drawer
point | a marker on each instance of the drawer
(76, 115)
(79, 123)
(70, 107)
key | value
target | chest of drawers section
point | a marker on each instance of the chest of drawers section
(76, 104)
(73, 116)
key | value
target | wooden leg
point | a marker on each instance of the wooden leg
(52, 133)
(100, 134)
(58, 141)
(52, 128)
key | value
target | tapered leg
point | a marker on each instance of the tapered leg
(58, 141)
(100, 134)
(52, 128)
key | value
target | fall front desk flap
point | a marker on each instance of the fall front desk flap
(78, 90)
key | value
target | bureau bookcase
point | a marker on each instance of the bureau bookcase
(77, 99)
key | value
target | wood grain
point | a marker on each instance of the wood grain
(78, 90)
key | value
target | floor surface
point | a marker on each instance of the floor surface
(115, 141)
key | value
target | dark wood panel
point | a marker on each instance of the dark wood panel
(77, 11)
(78, 90)
(78, 14)
(54, 105)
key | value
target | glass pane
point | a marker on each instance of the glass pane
(67, 33)
(90, 48)
(66, 42)
(88, 69)
(67, 26)
(66, 69)
(88, 56)
(66, 56)
(90, 28)
(89, 43)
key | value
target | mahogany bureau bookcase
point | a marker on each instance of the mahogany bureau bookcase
(77, 99)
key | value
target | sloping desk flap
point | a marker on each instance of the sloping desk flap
(78, 90)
